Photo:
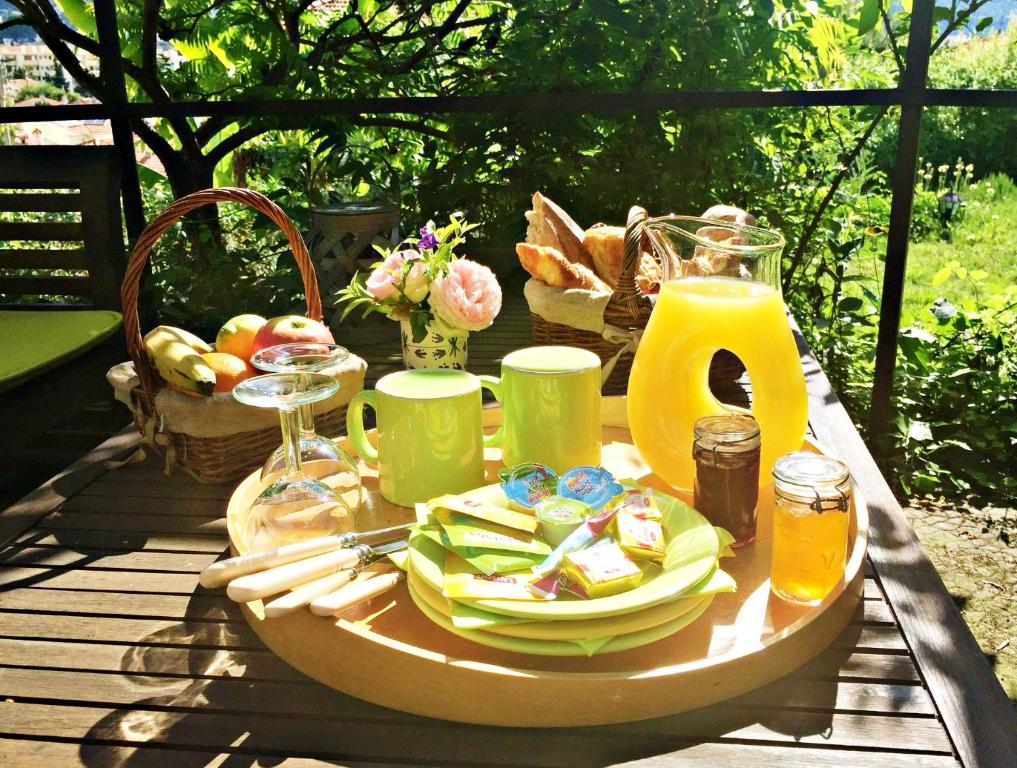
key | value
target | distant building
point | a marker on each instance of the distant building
(37, 61)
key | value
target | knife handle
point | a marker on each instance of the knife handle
(275, 580)
(305, 593)
(225, 571)
(353, 593)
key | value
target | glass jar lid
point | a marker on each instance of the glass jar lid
(727, 433)
(821, 481)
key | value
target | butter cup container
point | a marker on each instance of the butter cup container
(559, 516)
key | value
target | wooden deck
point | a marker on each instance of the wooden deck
(112, 655)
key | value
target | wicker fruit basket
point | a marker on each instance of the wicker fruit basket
(629, 311)
(221, 440)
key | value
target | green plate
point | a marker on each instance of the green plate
(465, 616)
(692, 551)
(593, 646)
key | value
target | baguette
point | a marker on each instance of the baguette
(549, 266)
(550, 227)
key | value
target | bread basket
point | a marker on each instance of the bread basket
(215, 439)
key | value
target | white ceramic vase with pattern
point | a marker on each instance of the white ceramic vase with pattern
(441, 347)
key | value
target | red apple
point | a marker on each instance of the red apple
(289, 329)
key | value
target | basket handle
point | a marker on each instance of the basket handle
(130, 288)
(635, 241)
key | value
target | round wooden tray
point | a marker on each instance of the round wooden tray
(389, 653)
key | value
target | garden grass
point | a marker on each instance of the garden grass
(984, 236)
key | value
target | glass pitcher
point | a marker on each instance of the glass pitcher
(720, 290)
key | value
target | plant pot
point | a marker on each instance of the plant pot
(441, 347)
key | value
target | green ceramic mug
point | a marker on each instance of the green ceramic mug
(430, 433)
(550, 398)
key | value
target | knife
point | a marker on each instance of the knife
(225, 571)
(353, 593)
(255, 586)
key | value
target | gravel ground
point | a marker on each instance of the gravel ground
(977, 561)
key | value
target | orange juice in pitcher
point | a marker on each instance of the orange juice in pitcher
(721, 290)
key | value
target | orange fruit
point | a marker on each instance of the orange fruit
(230, 370)
(236, 337)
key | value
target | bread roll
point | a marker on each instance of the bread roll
(549, 266)
(729, 213)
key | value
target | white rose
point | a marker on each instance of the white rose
(416, 287)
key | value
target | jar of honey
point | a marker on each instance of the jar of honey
(726, 451)
(812, 506)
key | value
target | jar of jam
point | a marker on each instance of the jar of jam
(811, 515)
(726, 487)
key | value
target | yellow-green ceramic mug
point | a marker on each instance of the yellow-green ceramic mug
(550, 400)
(430, 433)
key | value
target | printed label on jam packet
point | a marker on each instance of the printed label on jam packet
(592, 485)
(526, 485)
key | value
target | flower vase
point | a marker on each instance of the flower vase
(441, 347)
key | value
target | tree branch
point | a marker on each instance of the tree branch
(394, 122)
(13, 21)
(957, 22)
(893, 39)
(845, 168)
(234, 141)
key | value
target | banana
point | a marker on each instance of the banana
(164, 333)
(178, 361)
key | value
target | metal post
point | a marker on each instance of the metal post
(913, 93)
(112, 71)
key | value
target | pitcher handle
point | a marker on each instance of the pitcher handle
(493, 385)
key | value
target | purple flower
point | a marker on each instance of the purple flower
(428, 242)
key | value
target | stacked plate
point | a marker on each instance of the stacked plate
(670, 598)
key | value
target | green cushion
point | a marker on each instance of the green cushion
(35, 341)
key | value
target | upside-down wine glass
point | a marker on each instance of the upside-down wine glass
(294, 505)
(320, 457)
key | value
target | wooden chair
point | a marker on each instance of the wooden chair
(60, 239)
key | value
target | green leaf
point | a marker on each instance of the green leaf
(939, 13)
(983, 23)
(907, 5)
(850, 304)
(941, 276)
(868, 16)
(80, 14)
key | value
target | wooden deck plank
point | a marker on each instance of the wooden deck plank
(174, 722)
(22, 515)
(112, 674)
(114, 754)
(973, 705)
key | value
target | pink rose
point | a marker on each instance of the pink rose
(384, 280)
(467, 297)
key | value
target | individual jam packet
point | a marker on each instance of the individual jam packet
(559, 516)
(639, 537)
(462, 582)
(526, 485)
(487, 561)
(591, 485)
(464, 532)
(484, 510)
(639, 502)
(601, 571)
